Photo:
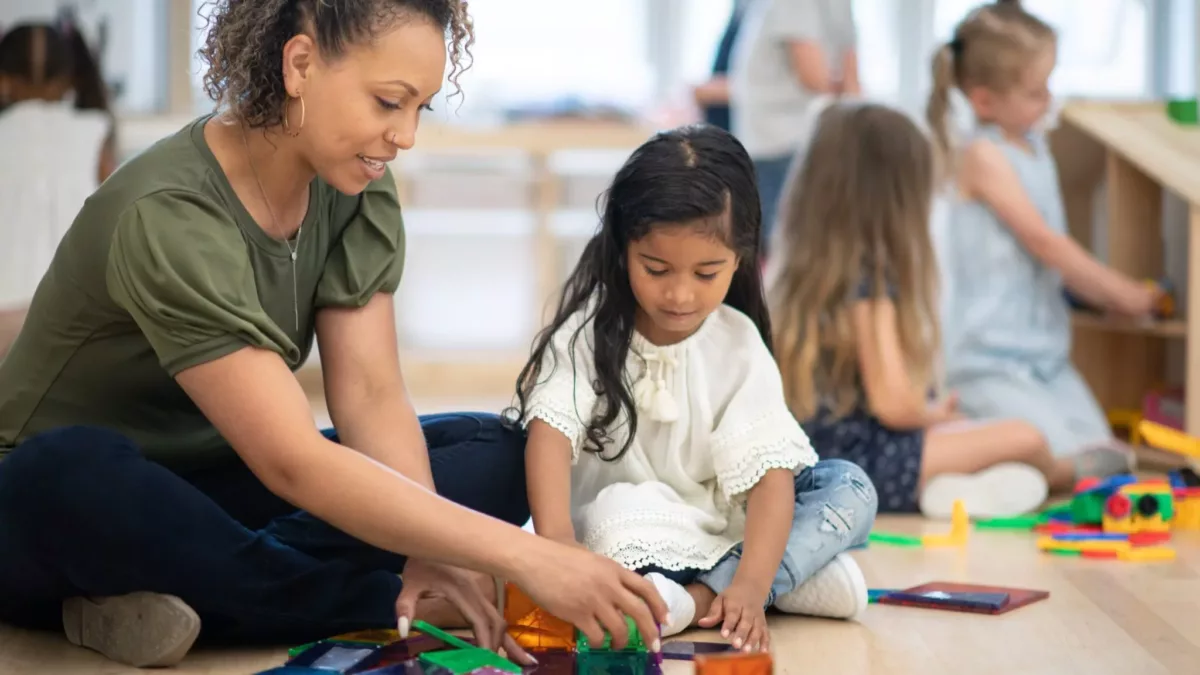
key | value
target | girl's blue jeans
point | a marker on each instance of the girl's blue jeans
(835, 510)
(83, 513)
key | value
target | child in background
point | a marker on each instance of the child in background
(658, 431)
(857, 336)
(57, 138)
(789, 55)
(1009, 348)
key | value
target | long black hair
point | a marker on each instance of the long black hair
(694, 174)
(41, 53)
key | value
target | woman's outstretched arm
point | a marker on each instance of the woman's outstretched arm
(364, 388)
(257, 405)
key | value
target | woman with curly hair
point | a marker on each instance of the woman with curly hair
(159, 465)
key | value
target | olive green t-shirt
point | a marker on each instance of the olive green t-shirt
(164, 269)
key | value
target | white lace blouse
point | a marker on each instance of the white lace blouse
(711, 422)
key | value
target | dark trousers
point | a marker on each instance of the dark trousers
(83, 513)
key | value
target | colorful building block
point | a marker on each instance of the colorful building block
(681, 650)
(1187, 508)
(614, 663)
(1139, 507)
(735, 664)
(1147, 554)
(533, 627)
(960, 527)
(463, 661)
(345, 657)
(635, 643)
(893, 539)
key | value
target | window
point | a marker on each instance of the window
(703, 26)
(1103, 50)
(877, 23)
(534, 52)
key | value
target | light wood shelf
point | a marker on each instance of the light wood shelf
(1172, 329)
(1139, 153)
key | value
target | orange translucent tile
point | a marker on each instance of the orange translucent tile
(735, 664)
(533, 627)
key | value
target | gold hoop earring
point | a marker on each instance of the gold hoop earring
(287, 129)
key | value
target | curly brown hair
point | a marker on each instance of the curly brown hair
(244, 48)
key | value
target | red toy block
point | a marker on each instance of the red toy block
(1111, 555)
(1149, 538)
(735, 664)
(533, 627)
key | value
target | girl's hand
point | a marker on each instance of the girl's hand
(1139, 299)
(591, 592)
(743, 619)
(945, 410)
(463, 589)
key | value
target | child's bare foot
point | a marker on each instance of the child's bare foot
(703, 597)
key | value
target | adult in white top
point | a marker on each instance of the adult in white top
(658, 431)
(788, 55)
(56, 132)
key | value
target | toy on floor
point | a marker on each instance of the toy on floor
(964, 597)
(1120, 518)
(735, 664)
(960, 527)
(434, 652)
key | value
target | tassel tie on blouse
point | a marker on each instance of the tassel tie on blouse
(651, 393)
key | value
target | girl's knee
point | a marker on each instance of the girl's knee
(855, 501)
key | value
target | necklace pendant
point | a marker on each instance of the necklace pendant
(294, 256)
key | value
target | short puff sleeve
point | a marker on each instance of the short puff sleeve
(368, 257)
(564, 396)
(177, 263)
(756, 432)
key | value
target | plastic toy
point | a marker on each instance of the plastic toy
(533, 627)
(972, 598)
(1139, 507)
(735, 664)
(960, 527)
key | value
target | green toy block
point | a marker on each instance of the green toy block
(1087, 508)
(636, 642)
(893, 539)
(1183, 111)
(297, 651)
(602, 663)
(435, 632)
(1014, 523)
(462, 661)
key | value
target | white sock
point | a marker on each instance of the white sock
(1001, 490)
(837, 591)
(681, 608)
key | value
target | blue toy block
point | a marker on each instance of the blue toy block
(1090, 536)
(338, 657)
(1112, 483)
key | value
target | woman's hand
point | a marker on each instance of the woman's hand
(464, 590)
(743, 619)
(591, 592)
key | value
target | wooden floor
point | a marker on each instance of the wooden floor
(1101, 617)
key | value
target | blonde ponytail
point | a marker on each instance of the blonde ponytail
(937, 111)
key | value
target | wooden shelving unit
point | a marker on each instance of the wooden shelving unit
(1139, 153)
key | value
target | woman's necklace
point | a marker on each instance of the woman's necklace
(293, 250)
